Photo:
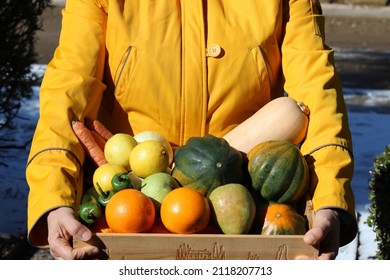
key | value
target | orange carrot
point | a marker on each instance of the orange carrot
(88, 142)
(99, 139)
(97, 126)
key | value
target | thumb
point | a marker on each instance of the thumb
(75, 228)
(314, 236)
(80, 231)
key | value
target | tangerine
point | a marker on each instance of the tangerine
(130, 211)
(185, 210)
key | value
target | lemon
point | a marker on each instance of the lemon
(118, 148)
(153, 135)
(103, 175)
(148, 157)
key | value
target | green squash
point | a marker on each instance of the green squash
(205, 163)
(278, 171)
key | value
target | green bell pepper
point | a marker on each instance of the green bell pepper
(121, 181)
(104, 196)
(90, 210)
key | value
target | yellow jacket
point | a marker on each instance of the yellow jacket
(185, 68)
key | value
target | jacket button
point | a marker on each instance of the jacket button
(213, 50)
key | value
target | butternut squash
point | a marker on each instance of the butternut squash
(281, 119)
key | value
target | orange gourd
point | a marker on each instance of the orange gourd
(283, 219)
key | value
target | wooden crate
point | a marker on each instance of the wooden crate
(158, 246)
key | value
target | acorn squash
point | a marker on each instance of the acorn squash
(204, 163)
(283, 219)
(278, 171)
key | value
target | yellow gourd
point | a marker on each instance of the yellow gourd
(281, 119)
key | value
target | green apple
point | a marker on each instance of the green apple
(157, 186)
(136, 181)
(118, 149)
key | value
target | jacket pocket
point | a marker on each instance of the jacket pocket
(124, 73)
(263, 69)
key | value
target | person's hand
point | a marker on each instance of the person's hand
(62, 225)
(325, 234)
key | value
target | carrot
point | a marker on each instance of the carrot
(88, 142)
(97, 126)
(99, 139)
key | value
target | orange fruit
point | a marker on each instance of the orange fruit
(130, 211)
(185, 210)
